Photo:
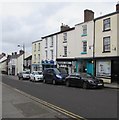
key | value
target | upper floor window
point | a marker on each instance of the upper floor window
(46, 54)
(52, 54)
(84, 49)
(39, 46)
(85, 46)
(51, 41)
(65, 51)
(38, 58)
(84, 30)
(106, 24)
(106, 44)
(35, 58)
(34, 47)
(65, 37)
(46, 42)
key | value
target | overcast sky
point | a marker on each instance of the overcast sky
(25, 22)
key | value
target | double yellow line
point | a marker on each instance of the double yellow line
(56, 108)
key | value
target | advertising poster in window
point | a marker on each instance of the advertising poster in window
(104, 68)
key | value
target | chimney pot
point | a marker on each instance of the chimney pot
(64, 27)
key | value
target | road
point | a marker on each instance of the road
(88, 103)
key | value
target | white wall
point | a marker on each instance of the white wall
(79, 38)
(49, 48)
(99, 34)
(71, 46)
(19, 64)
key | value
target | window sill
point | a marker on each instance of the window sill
(83, 35)
(83, 52)
(64, 41)
(106, 51)
(106, 30)
(64, 55)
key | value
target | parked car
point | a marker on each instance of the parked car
(24, 75)
(83, 80)
(53, 75)
(36, 76)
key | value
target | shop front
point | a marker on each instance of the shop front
(108, 69)
(85, 65)
(48, 64)
(67, 63)
(36, 67)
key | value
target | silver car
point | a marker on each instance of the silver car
(24, 75)
(36, 76)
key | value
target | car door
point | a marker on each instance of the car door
(51, 75)
(80, 81)
(47, 75)
(76, 80)
(32, 75)
(72, 80)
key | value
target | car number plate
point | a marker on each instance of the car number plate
(99, 84)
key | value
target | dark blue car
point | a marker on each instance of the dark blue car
(54, 76)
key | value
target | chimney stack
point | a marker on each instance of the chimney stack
(88, 15)
(117, 6)
(64, 27)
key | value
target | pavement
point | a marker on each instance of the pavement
(111, 85)
(17, 105)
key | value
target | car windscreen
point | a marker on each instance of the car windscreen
(57, 71)
(38, 73)
(26, 72)
(62, 70)
(85, 75)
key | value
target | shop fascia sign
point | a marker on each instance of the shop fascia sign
(67, 63)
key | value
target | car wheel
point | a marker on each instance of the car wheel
(54, 82)
(67, 83)
(44, 81)
(85, 85)
(30, 79)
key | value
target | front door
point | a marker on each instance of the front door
(13, 70)
(115, 71)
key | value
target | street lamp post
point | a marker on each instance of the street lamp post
(23, 46)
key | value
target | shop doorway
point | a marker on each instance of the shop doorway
(115, 71)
